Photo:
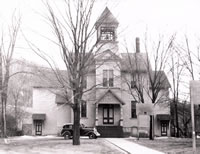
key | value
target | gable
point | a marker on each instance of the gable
(106, 17)
(109, 97)
(107, 55)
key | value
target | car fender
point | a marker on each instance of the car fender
(66, 132)
(89, 132)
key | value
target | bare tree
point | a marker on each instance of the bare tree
(19, 89)
(176, 70)
(7, 48)
(158, 82)
(78, 48)
(134, 64)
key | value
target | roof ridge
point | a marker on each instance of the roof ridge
(107, 17)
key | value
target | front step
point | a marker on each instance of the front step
(110, 131)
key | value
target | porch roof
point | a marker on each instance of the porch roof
(39, 116)
(120, 101)
(163, 116)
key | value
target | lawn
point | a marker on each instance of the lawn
(169, 145)
(56, 145)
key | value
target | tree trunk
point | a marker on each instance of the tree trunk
(151, 134)
(2, 121)
(177, 124)
(16, 113)
(4, 118)
(76, 129)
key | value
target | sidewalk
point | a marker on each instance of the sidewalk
(130, 147)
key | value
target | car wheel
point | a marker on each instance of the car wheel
(92, 136)
(67, 136)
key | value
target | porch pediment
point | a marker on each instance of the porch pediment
(109, 97)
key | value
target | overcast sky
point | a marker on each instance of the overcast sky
(157, 17)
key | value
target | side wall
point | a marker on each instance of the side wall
(56, 114)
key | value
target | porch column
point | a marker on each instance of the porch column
(121, 115)
(96, 119)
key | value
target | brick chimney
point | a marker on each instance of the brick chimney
(137, 42)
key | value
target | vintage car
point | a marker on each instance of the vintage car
(67, 131)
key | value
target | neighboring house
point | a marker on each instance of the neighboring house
(109, 106)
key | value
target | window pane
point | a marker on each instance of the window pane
(110, 73)
(111, 82)
(133, 109)
(105, 78)
(111, 78)
(105, 113)
(85, 83)
(105, 73)
(105, 120)
(105, 82)
(111, 112)
(133, 84)
(107, 33)
(83, 109)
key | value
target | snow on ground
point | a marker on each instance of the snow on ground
(26, 137)
(55, 145)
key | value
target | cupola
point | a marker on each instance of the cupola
(106, 26)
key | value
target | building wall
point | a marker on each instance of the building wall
(44, 102)
(56, 114)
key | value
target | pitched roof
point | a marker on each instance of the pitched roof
(160, 79)
(134, 62)
(106, 17)
(47, 78)
(107, 55)
(112, 93)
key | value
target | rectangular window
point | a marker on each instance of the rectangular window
(133, 84)
(105, 77)
(108, 78)
(111, 79)
(85, 83)
(107, 33)
(133, 109)
(83, 109)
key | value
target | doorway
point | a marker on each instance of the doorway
(164, 128)
(38, 127)
(108, 114)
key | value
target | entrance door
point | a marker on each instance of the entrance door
(163, 128)
(38, 127)
(108, 114)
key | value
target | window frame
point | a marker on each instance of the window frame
(85, 83)
(133, 84)
(38, 127)
(108, 78)
(83, 109)
(133, 109)
(108, 114)
(107, 32)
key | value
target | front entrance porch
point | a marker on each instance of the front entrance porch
(109, 123)
(109, 115)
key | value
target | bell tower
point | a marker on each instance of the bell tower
(106, 27)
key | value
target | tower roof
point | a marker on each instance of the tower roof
(107, 18)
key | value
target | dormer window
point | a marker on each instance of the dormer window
(107, 33)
